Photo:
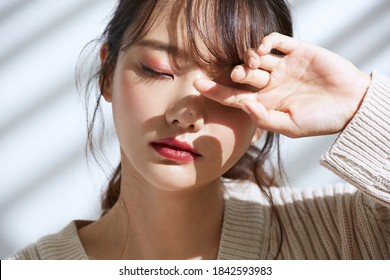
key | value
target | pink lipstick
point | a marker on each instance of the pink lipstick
(174, 149)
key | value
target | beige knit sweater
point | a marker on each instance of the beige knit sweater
(335, 222)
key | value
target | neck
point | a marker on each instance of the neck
(150, 223)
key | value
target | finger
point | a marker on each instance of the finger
(269, 62)
(270, 120)
(257, 78)
(279, 42)
(266, 62)
(251, 59)
(225, 95)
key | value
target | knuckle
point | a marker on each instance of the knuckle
(250, 76)
(273, 35)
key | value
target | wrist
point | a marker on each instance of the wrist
(363, 83)
(359, 92)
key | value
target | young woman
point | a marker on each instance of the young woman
(193, 84)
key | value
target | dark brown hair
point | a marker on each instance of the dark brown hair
(227, 28)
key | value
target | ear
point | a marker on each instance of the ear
(256, 135)
(105, 76)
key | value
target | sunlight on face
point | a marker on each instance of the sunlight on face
(172, 137)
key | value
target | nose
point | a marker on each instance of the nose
(187, 113)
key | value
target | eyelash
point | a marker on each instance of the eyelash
(155, 74)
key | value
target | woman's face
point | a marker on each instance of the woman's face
(171, 137)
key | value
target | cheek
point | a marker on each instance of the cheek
(235, 132)
(133, 102)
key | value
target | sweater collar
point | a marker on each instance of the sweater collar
(244, 231)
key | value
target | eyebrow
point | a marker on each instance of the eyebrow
(160, 46)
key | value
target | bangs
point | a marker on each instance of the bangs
(218, 32)
(230, 27)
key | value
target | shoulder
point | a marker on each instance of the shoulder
(330, 192)
(250, 192)
(294, 202)
(249, 229)
(64, 245)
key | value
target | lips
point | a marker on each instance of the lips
(174, 149)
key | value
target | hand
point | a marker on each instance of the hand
(305, 92)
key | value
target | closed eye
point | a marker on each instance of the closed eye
(155, 74)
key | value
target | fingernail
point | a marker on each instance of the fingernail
(237, 73)
(260, 49)
(204, 84)
(251, 62)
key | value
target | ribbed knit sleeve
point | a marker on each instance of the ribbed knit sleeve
(361, 154)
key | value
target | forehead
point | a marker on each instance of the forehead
(168, 33)
(169, 29)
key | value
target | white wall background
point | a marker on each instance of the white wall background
(44, 179)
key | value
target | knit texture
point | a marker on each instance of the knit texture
(340, 221)
(65, 245)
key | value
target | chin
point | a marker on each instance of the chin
(177, 178)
